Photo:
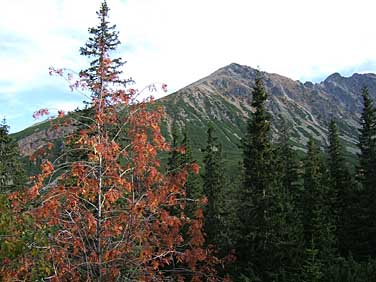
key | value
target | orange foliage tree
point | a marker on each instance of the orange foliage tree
(113, 215)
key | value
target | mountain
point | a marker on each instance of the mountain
(224, 98)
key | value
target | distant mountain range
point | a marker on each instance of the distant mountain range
(224, 98)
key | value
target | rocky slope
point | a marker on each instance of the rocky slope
(224, 98)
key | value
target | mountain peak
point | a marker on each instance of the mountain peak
(334, 77)
(235, 68)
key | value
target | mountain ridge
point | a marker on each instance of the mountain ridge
(224, 98)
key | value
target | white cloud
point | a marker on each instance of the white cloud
(180, 41)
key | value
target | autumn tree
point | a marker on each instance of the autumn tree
(108, 215)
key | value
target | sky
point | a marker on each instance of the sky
(177, 42)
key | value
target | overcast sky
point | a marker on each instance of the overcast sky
(178, 42)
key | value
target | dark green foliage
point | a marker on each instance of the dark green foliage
(256, 196)
(287, 164)
(175, 159)
(318, 219)
(18, 236)
(339, 189)
(367, 144)
(313, 266)
(289, 189)
(270, 232)
(193, 185)
(350, 270)
(257, 151)
(214, 181)
(12, 174)
(181, 156)
(364, 200)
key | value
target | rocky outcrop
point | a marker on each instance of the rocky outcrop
(31, 143)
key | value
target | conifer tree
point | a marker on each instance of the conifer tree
(286, 162)
(253, 209)
(262, 221)
(365, 211)
(104, 38)
(318, 222)
(367, 143)
(213, 179)
(339, 187)
(257, 151)
(12, 174)
(290, 206)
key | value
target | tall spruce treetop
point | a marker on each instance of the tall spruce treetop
(338, 172)
(103, 40)
(335, 151)
(258, 198)
(367, 142)
(256, 144)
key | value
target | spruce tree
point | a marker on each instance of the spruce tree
(213, 188)
(260, 216)
(257, 151)
(339, 188)
(366, 228)
(104, 39)
(289, 189)
(367, 143)
(287, 163)
(318, 221)
(12, 174)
